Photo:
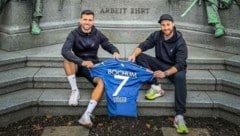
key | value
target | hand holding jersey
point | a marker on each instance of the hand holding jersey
(80, 52)
(122, 80)
(169, 61)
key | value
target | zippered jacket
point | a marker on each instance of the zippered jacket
(81, 46)
(172, 51)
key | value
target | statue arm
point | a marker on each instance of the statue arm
(237, 2)
(3, 4)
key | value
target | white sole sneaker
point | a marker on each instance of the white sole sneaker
(85, 120)
(75, 96)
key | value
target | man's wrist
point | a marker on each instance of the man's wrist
(166, 73)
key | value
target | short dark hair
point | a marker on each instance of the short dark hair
(87, 12)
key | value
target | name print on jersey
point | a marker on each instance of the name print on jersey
(118, 99)
(122, 73)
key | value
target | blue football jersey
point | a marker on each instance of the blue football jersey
(122, 81)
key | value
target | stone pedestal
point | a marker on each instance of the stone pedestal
(123, 21)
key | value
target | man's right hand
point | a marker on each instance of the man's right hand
(159, 74)
(87, 64)
(135, 53)
(132, 58)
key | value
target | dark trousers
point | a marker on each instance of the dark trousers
(85, 72)
(178, 79)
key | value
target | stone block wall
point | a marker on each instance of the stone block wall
(123, 21)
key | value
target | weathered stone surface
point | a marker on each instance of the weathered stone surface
(65, 131)
(192, 132)
(124, 22)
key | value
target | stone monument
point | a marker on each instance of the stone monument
(125, 22)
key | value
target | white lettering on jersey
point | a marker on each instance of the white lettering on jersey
(118, 99)
(122, 73)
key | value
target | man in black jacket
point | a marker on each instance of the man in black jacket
(170, 62)
(80, 53)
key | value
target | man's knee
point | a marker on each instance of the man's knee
(141, 58)
(70, 67)
(68, 63)
(98, 81)
(180, 76)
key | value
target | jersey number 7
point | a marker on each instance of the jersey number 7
(124, 80)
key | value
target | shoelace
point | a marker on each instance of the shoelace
(152, 91)
(181, 122)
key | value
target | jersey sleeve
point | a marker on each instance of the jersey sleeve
(143, 73)
(97, 70)
(100, 69)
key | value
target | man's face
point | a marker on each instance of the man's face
(167, 27)
(86, 22)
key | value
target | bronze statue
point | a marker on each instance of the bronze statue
(37, 14)
(2, 4)
(212, 7)
(35, 29)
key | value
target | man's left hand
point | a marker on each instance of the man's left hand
(116, 55)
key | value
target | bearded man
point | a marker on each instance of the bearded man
(169, 62)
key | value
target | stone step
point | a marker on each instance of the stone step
(49, 56)
(16, 79)
(55, 78)
(33, 77)
(227, 81)
(233, 63)
(38, 102)
(11, 60)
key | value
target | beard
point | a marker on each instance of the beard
(168, 32)
(86, 28)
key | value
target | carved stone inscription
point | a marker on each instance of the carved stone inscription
(124, 11)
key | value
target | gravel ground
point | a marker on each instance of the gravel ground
(119, 126)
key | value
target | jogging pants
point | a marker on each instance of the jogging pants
(178, 79)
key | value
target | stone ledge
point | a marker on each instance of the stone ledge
(55, 101)
(233, 63)
(21, 78)
(227, 81)
(18, 100)
(11, 60)
(213, 80)
(49, 56)
(48, 77)
(225, 101)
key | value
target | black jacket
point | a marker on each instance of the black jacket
(172, 51)
(81, 46)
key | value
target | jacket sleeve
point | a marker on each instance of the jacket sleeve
(181, 57)
(67, 52)
(149, 43)
(106, 45)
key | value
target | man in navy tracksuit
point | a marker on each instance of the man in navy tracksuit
(80, 53)
(169, 62)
